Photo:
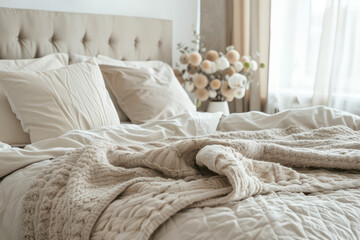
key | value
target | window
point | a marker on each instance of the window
(315, 54)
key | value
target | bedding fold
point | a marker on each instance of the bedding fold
(187, 124)
(149, 183)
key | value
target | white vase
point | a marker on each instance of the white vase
(218, 107)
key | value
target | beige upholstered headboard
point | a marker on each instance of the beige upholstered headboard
(34, 33)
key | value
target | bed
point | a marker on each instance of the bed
(115, 166)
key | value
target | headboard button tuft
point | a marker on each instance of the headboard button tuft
(159, 43)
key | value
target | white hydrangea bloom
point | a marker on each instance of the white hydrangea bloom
(237, 80)
(207, 71)
(253, 65)
(239, 93)
(189, 86)
(238, 66)
(222, 63)
(213, 67)
(212, 93)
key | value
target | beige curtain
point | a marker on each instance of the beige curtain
(241, 25)
(246, 25)
(251, 36)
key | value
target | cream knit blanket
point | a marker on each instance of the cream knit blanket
(70, 198)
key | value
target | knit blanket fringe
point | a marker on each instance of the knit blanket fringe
(107, 191)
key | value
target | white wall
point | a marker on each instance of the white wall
(185, 14)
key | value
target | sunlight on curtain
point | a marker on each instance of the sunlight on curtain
(314, 54)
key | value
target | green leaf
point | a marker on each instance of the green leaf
(198, 104)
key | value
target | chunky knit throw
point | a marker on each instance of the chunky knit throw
(126, 192)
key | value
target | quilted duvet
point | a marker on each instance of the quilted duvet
(327, 215)
(126, 192)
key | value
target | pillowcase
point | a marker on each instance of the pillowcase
(77, 58)
(11, 131)
(51, 103)
(146, 94)
(100, 59)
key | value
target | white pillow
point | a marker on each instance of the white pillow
(51, 103)
(147, 94)
(78, 58)
(11, 131)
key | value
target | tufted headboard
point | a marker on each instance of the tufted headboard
(35, 33)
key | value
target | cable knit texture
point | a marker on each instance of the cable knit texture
(103, 191)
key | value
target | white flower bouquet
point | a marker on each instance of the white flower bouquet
(215, 76)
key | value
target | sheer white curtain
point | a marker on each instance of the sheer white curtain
(314, 54)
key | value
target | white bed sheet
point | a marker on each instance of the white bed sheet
(14, 186)
(262, 217)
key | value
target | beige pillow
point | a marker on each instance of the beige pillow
(11, 131)
(101, 59)
(146, 94)
(105, 60)
(51, 103)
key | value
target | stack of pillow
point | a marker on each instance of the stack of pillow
(46, 97)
